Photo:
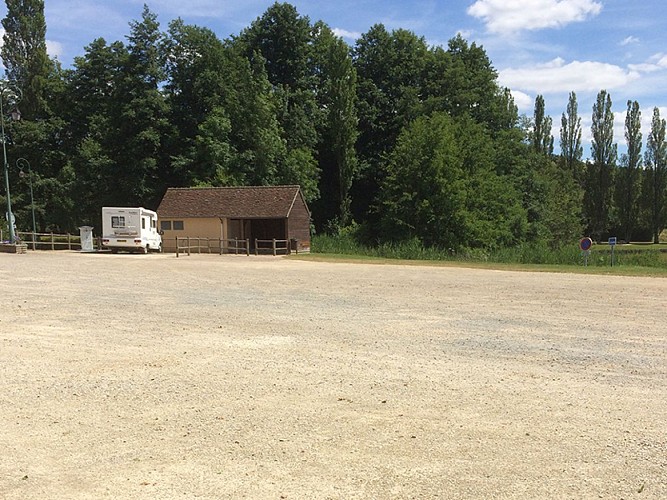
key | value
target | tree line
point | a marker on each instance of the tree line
(391, 138)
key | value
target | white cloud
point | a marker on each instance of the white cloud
(54, 49)
(556, 76)
(628, 40)
(523, 101)
(509, 16)
(465, 34)
(657, 62)
(348, 35)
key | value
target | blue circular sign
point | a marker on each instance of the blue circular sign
(585, 244)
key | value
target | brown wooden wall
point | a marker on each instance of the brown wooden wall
(298, 224)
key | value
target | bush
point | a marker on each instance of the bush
(346, 242)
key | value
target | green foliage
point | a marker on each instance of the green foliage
(389, 69)
(540, 137)
(654, 188)
(570, 135)
(600, 172)
(424, 193)
(24, 54)
(628, 176)
(540, 253)
(336, 95)
(419, 144)
(442, 189)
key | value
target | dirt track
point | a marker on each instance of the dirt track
(153, 377)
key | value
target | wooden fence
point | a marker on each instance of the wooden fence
(272, 246)
(198, 245)
(188, 245)
(52, 241)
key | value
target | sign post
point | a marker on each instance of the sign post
(612, 244)
(585, 244)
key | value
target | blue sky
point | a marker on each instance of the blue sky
(547, 47)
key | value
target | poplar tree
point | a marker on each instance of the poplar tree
(628, 175)
(571, 150)
(599, 182)
(655, 180)
(541, 139)
(336, 95)
(24, 55)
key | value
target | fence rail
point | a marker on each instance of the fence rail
(51, 241)
(198, 245)
(187, 245)
(274, 246)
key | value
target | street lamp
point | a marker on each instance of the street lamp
(20, 163)
(13, 95)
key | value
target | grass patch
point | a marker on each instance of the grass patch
(629, 260)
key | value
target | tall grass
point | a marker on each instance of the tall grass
(527, 253)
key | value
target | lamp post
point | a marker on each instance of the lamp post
(20, 163)
(13, 96)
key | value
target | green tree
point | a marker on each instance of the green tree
(40, 136)
(139, 116)
(424, 193)
(256, 135)
(91, 88)
(540, 138)
(599, 182)
(571, 150)
(282, 40)
(336, 95)
(441, 188)
(24, 54)
(197, 65)
(655, 180)
(628, 176)
(390, 69)
(462, 81)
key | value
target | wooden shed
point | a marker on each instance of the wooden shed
(228, 213)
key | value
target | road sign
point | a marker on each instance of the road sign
(612, 241)
(585, 244)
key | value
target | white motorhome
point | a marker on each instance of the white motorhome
(132, 229)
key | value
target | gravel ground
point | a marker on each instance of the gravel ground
(152, 377)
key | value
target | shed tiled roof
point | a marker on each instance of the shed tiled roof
(247, 202)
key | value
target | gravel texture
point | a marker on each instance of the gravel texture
(152, 377)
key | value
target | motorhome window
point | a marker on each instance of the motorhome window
(178, 225)
(143, 223)
(153, 223)
(117, 221)
(165, 225)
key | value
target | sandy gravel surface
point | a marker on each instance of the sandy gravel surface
(152, 377)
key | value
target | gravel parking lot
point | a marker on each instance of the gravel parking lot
(148, 376)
